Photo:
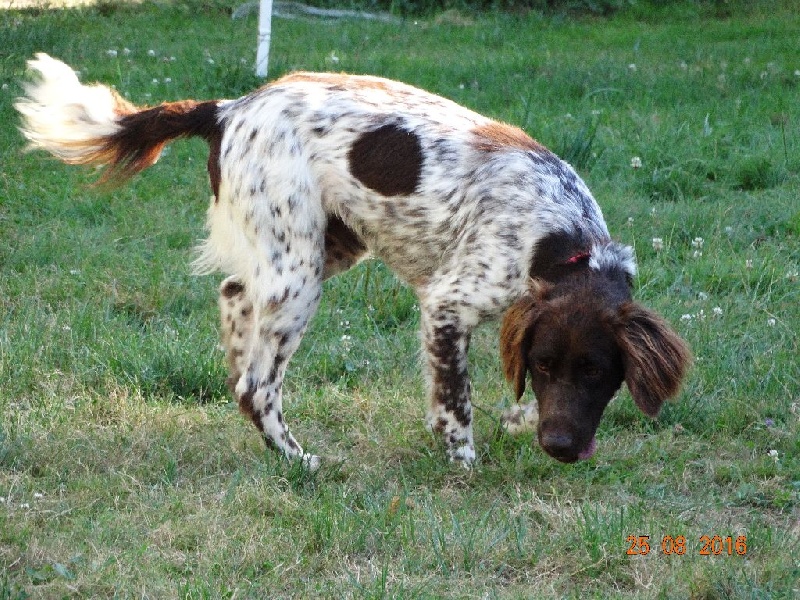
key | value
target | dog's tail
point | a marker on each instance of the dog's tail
(93, 124)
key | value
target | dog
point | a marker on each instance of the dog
(313, 172)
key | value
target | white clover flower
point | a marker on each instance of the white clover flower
(155, 81)
(687, 317)
(717, 311)
(346, 338)
(773, 454)
(702, 296)
(151, 53)
(748, 264)
(630, 221)
(697, 254)
(111, 53)
(658, 244)
(632, 67)
(126, 51)
(38, 495)
(797, 72)
(167, 79)
(4, 86)
(771, 322)
(636, 162)
(698, 242)
(728, 230)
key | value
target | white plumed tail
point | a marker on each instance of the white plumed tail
(70, 120)
(93, 124)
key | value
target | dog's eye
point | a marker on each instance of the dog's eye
(543, 365)
(593, 372)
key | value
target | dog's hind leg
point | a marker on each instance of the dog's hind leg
(260, 338)
(279, 260)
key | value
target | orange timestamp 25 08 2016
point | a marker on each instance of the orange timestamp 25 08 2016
(716, 545)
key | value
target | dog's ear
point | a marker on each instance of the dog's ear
(654, 356)
(515, 334)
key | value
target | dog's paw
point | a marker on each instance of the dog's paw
(520, 418)
(311, 462)
(463, 455)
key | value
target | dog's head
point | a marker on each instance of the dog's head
(579, 341)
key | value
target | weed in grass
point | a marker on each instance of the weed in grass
(758, 174)
(580, 150)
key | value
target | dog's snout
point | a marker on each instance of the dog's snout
(558, 442)
(559, 439)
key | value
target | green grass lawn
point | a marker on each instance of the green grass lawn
(126, 470)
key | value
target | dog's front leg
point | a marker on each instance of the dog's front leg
(445, 345)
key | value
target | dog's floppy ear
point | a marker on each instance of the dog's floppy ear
(515, 334)
(654, 356)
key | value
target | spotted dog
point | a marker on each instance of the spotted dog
(313, 172)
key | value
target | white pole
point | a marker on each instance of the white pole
(264, 34)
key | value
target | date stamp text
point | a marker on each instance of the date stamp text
(706, 545)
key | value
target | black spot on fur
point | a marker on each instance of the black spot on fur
(231, 289)
(387, 160)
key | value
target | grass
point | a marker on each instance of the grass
(125, 470)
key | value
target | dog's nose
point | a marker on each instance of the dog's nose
(557, 442)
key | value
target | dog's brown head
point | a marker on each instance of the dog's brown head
(579, 339)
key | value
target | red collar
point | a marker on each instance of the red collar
(578, 258)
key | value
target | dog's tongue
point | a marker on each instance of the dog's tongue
(589, 451)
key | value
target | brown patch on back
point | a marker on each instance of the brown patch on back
(387, 160)
(495, 136)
